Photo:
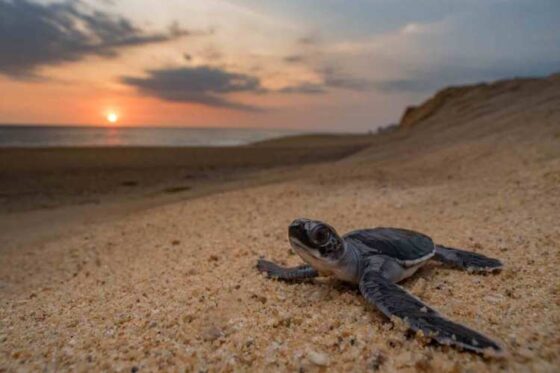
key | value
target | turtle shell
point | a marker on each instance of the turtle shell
(405, 246)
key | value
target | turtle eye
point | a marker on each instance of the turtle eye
(320, 235)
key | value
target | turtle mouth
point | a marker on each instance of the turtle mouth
(297, 244)
(302, 250)
(297, 231)
(311, 258)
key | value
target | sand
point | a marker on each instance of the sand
(54, 177)
(174, 287)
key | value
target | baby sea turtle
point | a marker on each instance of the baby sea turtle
(376, 259)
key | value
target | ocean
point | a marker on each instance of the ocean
(57, 136)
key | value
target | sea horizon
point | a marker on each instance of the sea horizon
(65, 135)
(67, 125)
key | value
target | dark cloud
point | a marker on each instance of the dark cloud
(294, 59)
(33, 35)
(331, 79)
(201, 85)
(307, 40)
(437, 77)
(335, 79)
(404, 85)
(210, 85)
(305, 88)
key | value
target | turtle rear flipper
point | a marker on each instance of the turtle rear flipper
(392, 300)
(274, 270)
(466, 260)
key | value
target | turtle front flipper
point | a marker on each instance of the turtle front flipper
(466, 260)
(273, 270)
(392, 300)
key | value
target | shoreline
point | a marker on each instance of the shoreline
(49, 190)
(46, 177)
(72, 137)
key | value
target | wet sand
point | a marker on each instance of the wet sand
(174, 287)
(38, 178)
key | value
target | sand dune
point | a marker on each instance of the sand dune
(174, 286)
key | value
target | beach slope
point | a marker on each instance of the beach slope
(174, 287)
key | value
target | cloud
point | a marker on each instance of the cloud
(439, 76)
(296, 58)
(307, 40)
(210, 86)
(406, 85)
(333, 78)
(200, 85)
(330, 78)
(34, 35)
(304, 88)
(490, 41)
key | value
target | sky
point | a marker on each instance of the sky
(329, 65)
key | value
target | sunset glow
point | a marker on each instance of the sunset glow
(352, 66)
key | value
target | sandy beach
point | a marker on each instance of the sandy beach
(144, 259)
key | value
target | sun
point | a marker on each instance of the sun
(112, 117)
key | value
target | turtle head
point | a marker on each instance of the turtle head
(316, 242)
